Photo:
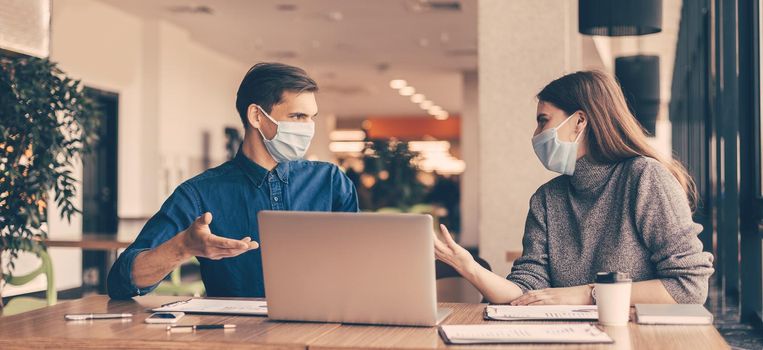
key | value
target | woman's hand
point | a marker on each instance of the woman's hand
(578, 295)
(449, 252)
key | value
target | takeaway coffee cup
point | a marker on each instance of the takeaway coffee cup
(612, 292)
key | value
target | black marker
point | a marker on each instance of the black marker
(201, 326)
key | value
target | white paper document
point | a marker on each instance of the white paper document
(218, 306)
(523, 333)
(541, 312)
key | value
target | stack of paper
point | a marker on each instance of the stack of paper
(541, 312)
(218, 306)
(673, 314)
(523, 333)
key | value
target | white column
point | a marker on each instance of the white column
(470, 151)
(149, 147)
(523, 45)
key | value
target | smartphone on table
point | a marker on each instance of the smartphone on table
(164, 317)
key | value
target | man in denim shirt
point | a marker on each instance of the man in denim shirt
(277, 105)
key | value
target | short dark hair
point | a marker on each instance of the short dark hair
(265, 83)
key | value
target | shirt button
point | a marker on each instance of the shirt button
(275, 198)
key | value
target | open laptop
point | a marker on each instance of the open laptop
(349, 267)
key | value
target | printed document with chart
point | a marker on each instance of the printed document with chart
(541, 312)
(218, 306)
(523, 333)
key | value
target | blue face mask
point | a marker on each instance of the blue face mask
(556, 155)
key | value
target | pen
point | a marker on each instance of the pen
(201, 326)
(82, 317)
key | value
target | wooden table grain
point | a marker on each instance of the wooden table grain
(91, 241)
(46, 328)
(107, 243)
(633, 336)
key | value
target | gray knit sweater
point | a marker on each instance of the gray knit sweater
(630, 216)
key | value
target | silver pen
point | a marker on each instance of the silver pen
(82, 317)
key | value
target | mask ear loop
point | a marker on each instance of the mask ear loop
(272, 120)
(580, 134)
(268, 115)
(568, 118)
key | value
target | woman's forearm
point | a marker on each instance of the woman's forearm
(494, 288)
(650, 292)
(499, 290)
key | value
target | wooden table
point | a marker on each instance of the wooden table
(105, 242)
(91, 241)
(46, 328)
(94, 241)
(513, 255)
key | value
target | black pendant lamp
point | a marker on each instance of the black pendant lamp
(639, 77)
(619, 17)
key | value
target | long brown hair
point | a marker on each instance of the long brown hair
(613, 134)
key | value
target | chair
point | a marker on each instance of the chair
(176, 287)
(389, 210)
(422, 208)
(453, 288)
(22, 304)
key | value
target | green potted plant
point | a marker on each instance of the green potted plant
(46, 124)
(390, 174)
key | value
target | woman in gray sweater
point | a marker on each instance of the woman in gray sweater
(618, 206)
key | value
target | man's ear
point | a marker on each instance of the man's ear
(253, 116)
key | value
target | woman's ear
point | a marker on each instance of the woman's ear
(253, 116)
(582, 122)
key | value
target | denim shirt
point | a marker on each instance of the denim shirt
(234, 193)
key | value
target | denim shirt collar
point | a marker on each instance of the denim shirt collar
(282, 170)
(257, 173)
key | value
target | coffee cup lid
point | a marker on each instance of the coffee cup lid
(612, 277)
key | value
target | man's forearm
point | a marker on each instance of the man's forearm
(151, 266)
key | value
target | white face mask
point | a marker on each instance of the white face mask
(291, 140)
(556, 155)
